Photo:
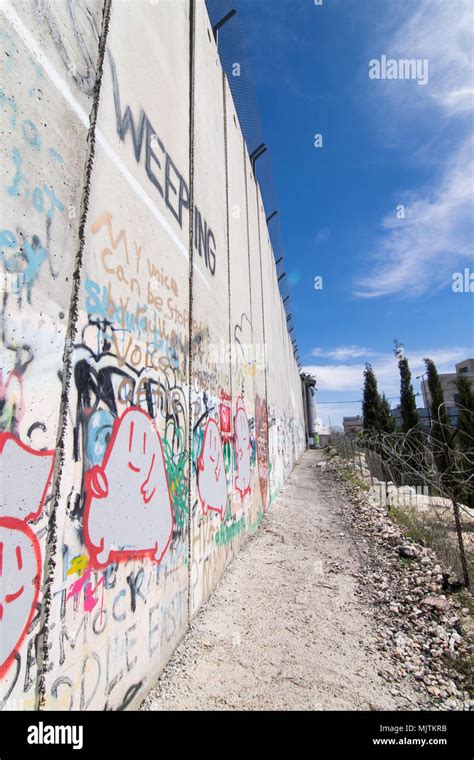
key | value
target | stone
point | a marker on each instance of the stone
(436, 602)
(407, 551)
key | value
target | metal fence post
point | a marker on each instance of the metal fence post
(462, 552)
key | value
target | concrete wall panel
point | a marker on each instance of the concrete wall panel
(260, 485)
(212, 454)
(247, 361)
(47, 72)
(122, 564)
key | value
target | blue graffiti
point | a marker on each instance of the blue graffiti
(44, 198)
(19, 177)
(99, 305)
(31, 134)
(26, 259)
(99, 429)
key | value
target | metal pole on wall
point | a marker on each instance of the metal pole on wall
(448, 457)
(462, 552)
(353, 455)
(221, 23)
(369, 464)
(384, 472)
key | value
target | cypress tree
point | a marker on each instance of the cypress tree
(440, 429)
(371, 400)
(466, 412)
(410, 416)
(387, 421)
(414, 464)
(466, 438)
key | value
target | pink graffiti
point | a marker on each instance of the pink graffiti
(243, 449)
(225, 415)
(90, 600)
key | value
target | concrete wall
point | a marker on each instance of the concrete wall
(150, 402)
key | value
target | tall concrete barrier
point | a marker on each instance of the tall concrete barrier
(150, 404)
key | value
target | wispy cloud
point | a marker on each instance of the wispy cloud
(420, 252)
(442, 33)
(342, 352)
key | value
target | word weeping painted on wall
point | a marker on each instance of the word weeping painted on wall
(176, 196)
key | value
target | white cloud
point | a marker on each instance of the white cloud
(337, 377)
(350, 377)
(442, 33)
(342, 352)
(420, 252)
(332, 414)
(423, 250)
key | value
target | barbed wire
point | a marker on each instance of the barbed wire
(232, 49)
(440, 461)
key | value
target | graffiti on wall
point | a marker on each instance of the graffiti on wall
(12, 405)
(34, 175)
(25, 475)
(20, 577)
(261, 434)
(128, 504)
(171, 186)
(78, 57)
(212, 480)
(116, 618)
(128, 357)
(122, 574)
(243, 449)
(136, 298)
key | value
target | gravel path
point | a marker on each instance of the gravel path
(289, 625)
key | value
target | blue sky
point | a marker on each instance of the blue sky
(385, 144)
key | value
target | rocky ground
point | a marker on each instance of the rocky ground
(327, 607)
(424, 622)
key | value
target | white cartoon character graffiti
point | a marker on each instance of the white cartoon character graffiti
(243, 449)
(20, 577)
(128, 512)
(25, 475)
(212, 481)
